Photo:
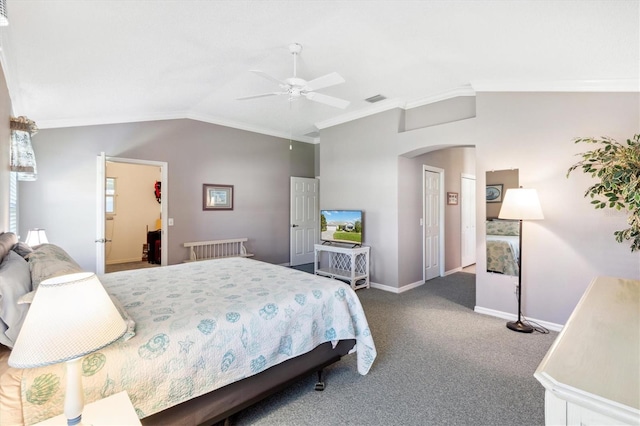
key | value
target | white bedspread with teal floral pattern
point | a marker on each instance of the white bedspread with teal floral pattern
(202, 325)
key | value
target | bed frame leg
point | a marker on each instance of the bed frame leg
(320, 384)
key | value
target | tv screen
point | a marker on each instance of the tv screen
(341, 226)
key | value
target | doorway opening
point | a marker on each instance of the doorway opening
(132, 232)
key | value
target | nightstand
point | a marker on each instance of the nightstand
(113, 410)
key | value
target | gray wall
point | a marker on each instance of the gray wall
(532, 132)
(63, 199)
(454, 162)
(5, 135)
(359, 170)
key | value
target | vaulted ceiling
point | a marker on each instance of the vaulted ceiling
(72, 63)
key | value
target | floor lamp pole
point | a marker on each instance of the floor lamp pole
(519, 325)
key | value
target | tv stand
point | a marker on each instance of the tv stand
(350, 264)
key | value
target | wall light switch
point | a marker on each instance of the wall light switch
(170, 221)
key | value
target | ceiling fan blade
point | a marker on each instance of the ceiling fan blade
(268, 77)
(329, 100)
(262, 95)
(324, 81)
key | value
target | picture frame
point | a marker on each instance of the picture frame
(217, 197)
(494, 193)
(452, 198)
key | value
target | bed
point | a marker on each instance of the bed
(503, 247)
(205, 340)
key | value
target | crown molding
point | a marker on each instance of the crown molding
(247, 127)
(94, 121)
(465, 90)
(365, 112)
(81, 122)
(621, 85)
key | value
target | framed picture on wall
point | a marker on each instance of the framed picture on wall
(494, 193)
(217, 197)
(452, 198)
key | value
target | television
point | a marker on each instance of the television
(341, 226)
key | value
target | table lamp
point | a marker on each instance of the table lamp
(520, 204)
(35, 237)
(71, 316)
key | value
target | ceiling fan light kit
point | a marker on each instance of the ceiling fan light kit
(295, 87)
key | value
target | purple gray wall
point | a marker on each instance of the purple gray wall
(63, 199)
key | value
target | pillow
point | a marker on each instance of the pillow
(7, 240)
(48, 261)
(15, 281)
(503, 227)
(22, 249)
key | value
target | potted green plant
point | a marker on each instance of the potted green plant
(617, 168)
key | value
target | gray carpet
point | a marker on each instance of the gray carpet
(438, 363)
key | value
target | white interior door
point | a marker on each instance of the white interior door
(101, 165)
(305, 226)
(433, 226)
(468, 220)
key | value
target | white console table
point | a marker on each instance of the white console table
(591, 373)
(343, 263)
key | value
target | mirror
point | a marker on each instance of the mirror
(501, 235)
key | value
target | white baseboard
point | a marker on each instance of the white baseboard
(453, 271)
(512, 317)
(119, 261)
(396, 290)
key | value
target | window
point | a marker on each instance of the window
(110, 196)
(13, 202)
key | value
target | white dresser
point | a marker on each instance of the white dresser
(591, 373)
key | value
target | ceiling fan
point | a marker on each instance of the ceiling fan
(295, 87)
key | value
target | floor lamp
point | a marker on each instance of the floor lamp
(520, 204)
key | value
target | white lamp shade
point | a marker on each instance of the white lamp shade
(70, 316)
(36, 237)
(521, 204)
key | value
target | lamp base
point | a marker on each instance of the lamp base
(519, 326)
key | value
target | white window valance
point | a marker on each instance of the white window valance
(22, 158)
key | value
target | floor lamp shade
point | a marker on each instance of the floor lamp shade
(520, 204)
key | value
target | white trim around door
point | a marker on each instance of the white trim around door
(433, 216)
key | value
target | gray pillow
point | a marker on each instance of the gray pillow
(48, 261)
(15, 281)
(7, 240)
(22, 249)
